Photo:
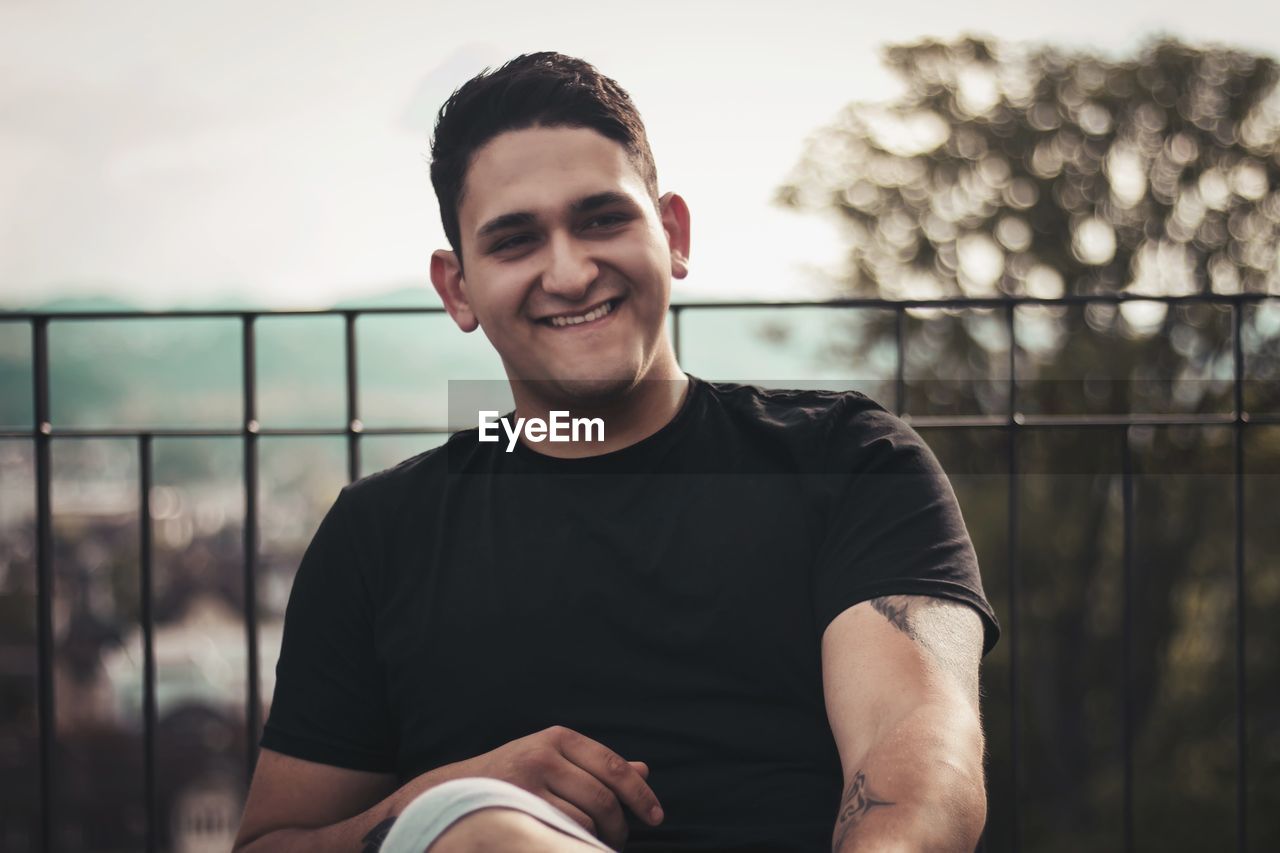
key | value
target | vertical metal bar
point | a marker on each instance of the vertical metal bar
(253, 712)
(1015, 716)
(675, 330)
(899, 396)
(1241, 419)
(900, 371)
(1126, 641)
(353, 418)
(44, 574)
(1011, 330)
(148, 645)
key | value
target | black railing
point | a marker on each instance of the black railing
(44, 432)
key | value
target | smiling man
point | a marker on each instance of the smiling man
(571, 257)
(739, 619)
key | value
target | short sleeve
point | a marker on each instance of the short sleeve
(330, 701)
(894, 526)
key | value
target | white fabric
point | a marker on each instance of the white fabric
(436, 809)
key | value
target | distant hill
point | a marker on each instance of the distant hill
(187, 372)
(67, 304)
(413, 295)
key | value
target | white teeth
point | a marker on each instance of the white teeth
(583, 318)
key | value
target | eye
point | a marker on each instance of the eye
(606, 220)
(511, 242)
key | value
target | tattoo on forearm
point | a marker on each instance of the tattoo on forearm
(857, 801)
(373, 840)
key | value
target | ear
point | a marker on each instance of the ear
(675, 222)
(446, 276)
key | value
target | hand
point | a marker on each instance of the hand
(583, 778)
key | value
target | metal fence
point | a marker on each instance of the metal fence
(43, 433)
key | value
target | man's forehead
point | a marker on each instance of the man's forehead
(545, 170)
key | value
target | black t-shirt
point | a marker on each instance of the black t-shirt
(667, 599)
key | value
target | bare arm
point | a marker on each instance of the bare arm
(293, 804)
(900, 674)
(297, 805)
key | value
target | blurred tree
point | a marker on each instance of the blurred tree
(1011, 171)
(1040, 172)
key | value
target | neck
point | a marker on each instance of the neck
(630, 418)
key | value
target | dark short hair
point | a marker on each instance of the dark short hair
(533, 90)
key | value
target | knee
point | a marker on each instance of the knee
(475, 815)
(494, 828)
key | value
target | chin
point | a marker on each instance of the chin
(594, 391)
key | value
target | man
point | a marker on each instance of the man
(738, 620)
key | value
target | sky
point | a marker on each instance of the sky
(273, 153)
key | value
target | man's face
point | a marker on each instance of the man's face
(568, 265)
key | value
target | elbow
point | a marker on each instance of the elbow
(959, 801)
(930, 767)
(952, 819)
(967, 813)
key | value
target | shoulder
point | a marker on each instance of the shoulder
(386, 492)
(789, 408)
(838, 429)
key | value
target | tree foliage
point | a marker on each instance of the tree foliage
(1039, 172)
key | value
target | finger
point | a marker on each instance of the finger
(572, 812)
(610, 768)
(641, 768)
(578, 787)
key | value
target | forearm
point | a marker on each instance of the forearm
(360, 833)
(919, 787)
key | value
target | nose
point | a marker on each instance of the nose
(570, 271)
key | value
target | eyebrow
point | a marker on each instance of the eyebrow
(586, 204)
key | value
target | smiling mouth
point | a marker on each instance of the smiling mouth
(595, 314)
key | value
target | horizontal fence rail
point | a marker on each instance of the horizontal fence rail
(43, 432)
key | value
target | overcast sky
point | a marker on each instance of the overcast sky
(271, 152)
